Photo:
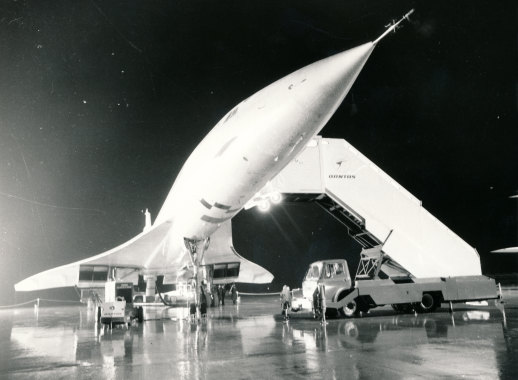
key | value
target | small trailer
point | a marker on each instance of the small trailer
(117, 307)
(368, 290)
(114, 312)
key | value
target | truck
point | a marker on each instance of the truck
(371, 288)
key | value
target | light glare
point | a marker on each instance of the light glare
(276, 197)
(264, 205)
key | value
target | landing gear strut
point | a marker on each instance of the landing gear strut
(196, 250)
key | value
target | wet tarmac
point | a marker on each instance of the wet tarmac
(251, 341)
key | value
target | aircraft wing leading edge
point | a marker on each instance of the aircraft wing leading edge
(133, 254)
(149, 252)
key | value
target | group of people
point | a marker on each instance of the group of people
(216, 295)
(219, 292)
(213, 297)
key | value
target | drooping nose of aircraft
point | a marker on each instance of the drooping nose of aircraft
(325, 83)
(315, 91)
(335, 75)
(296, 107)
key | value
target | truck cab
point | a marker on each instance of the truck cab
(333, 274)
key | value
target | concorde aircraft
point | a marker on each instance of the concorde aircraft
(249, 146)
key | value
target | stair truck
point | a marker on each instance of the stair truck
(409, 258)
(372, 288)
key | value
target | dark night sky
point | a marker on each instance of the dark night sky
(101, 102)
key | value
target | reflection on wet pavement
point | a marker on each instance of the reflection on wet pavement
(250, 340)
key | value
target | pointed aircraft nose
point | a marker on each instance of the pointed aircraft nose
(304, 101)
(330, 79)
(320, 87)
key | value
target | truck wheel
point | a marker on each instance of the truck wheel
(428, 303)
(349, 309)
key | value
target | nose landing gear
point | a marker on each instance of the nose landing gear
(196, 249)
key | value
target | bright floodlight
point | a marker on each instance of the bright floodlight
(276, 197)
(263, 205)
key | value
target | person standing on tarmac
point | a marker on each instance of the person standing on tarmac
(323, 306)
(319, 303)
(215, 296)
(203, 302)
(316, 303)
(233, 293)
(285, 301)
(224, 289)
(221, 295)
(208, 295)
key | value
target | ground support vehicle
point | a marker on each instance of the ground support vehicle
(367, 291)
(117, 307)
(113, 313)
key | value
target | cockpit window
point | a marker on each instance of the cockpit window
(231, 115)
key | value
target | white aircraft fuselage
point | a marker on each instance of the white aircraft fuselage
(255, 141)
